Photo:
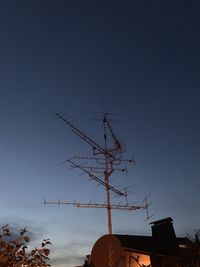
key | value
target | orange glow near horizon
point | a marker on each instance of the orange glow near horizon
(136, 260)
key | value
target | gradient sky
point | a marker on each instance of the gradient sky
(139, 59)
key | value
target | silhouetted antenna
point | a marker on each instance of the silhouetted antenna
(96, 205)
(147, 204)
(107, 159)
(82, 135)
(94, 177)
(116, 141)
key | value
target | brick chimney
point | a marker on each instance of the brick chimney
(163, 232)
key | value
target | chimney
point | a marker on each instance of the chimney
(163, 232)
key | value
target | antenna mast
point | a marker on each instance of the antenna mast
(108, 159)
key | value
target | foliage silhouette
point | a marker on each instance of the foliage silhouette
(14, 251)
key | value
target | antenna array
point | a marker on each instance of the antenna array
(106, 160)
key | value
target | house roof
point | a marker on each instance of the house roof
(149, 245)
(146, 244)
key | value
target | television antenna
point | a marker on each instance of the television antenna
(106, 159)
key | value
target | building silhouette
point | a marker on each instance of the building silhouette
(162, 249)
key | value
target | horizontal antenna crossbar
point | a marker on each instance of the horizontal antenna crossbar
(96, 205)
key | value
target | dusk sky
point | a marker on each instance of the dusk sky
(138, 59)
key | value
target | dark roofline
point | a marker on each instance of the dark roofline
(148, 245)
(166, 220)
(145, 244)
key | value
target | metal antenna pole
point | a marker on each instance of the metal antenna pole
(107, 160)
(106, 174)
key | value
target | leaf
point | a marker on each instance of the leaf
(27, 239)
(23, 231)
(13, 252)
(46, 251)
(24, 248)
(40, 251)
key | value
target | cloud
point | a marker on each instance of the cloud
(72, 253)
(69, 259)
(73, 248)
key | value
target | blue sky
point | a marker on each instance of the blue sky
(138, 59)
